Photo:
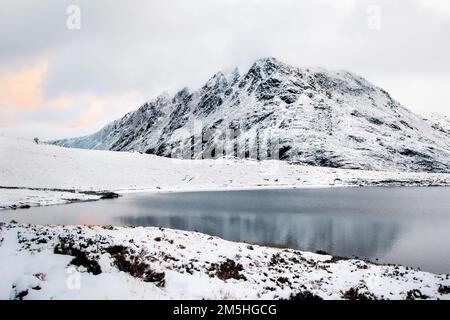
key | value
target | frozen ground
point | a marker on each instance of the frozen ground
(55, 262)
(24, 164)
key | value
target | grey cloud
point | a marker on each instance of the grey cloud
(152, 46)
(148, 44)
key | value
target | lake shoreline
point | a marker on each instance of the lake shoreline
(59, 198)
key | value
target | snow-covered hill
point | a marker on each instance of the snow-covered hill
(309, 116)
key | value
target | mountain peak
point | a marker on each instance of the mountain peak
(318, 117)
(266, 67)
(224, 77)
(268, 61)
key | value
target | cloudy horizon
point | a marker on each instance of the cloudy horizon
(64, 74)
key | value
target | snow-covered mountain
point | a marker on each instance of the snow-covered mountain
(310, 116)
(440, 122)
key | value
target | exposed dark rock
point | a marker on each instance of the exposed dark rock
(20, 295)
(355, 294)
(415, 294)
(376, 121)
(444, 289)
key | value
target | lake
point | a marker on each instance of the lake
(409, 226)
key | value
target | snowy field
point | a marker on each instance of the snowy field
(54, 262)
(25, 164)
(23, 198)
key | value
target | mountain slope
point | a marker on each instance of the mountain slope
(440, 122)
(310, 116)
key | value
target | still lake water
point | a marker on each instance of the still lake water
(409, 226)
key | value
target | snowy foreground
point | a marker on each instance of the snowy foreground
(48, 174)
(55, 262)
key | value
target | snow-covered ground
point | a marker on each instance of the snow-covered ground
(55, 262)
(22, 198)
(25, 164)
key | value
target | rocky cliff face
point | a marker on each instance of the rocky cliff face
(310, 116)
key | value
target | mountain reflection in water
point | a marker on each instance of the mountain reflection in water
(291, 230)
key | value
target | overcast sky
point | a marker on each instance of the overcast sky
(58, 81)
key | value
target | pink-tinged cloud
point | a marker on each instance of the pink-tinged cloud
(21, 89)
(7, 120)
(93, 114)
